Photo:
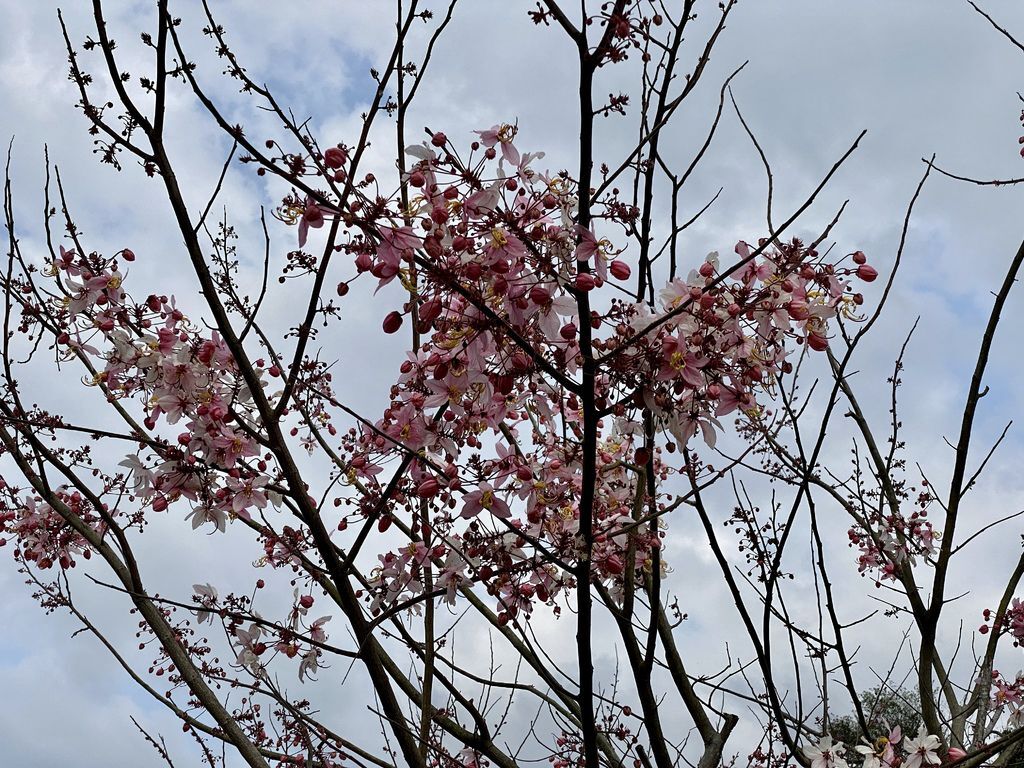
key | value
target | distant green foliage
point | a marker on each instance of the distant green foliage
(883, 708)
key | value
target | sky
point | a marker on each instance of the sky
(921, 76)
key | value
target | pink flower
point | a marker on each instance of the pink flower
(203, 513)
(679, 362)
(409, 429)
(232, 446)
(484, 498)
(312, 216)
(591, 248)
(501, 134)
(247, 493)
(207, 598)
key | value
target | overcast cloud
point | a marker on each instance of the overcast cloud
(922, 76)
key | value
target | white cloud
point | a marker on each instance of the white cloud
(921, 77)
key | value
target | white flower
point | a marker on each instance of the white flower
(208, 597)
(921, 750)
(825, 754)
(871, 760)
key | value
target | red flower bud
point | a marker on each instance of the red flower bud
(438, 139)
(128, 254)
(568, 331)
(817, 342)
(306, 601)
(430, 310)
(428, 488)
(867, 273)
(620, 270)
(798, 310)
(334, 158)
(585, 281)
(540, 295)
(392, 322)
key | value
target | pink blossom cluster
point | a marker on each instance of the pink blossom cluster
(485, 419)
(149, 351)
(888, 541)
(496, 269)
(1011, 621)
(1008, 696)
(42, 534)
(295, 638)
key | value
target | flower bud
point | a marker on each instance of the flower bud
(334, 158)
(817, 342)
(585, 281)
(392, 322)
(620, 270)
(798, 310)
(540, 295)
(430, 310)
(428, 488)
(867, 273)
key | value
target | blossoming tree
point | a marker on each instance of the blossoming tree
(576, 388)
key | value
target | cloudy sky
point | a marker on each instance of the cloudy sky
(922, 76)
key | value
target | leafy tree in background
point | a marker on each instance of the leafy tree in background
(884, 710)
